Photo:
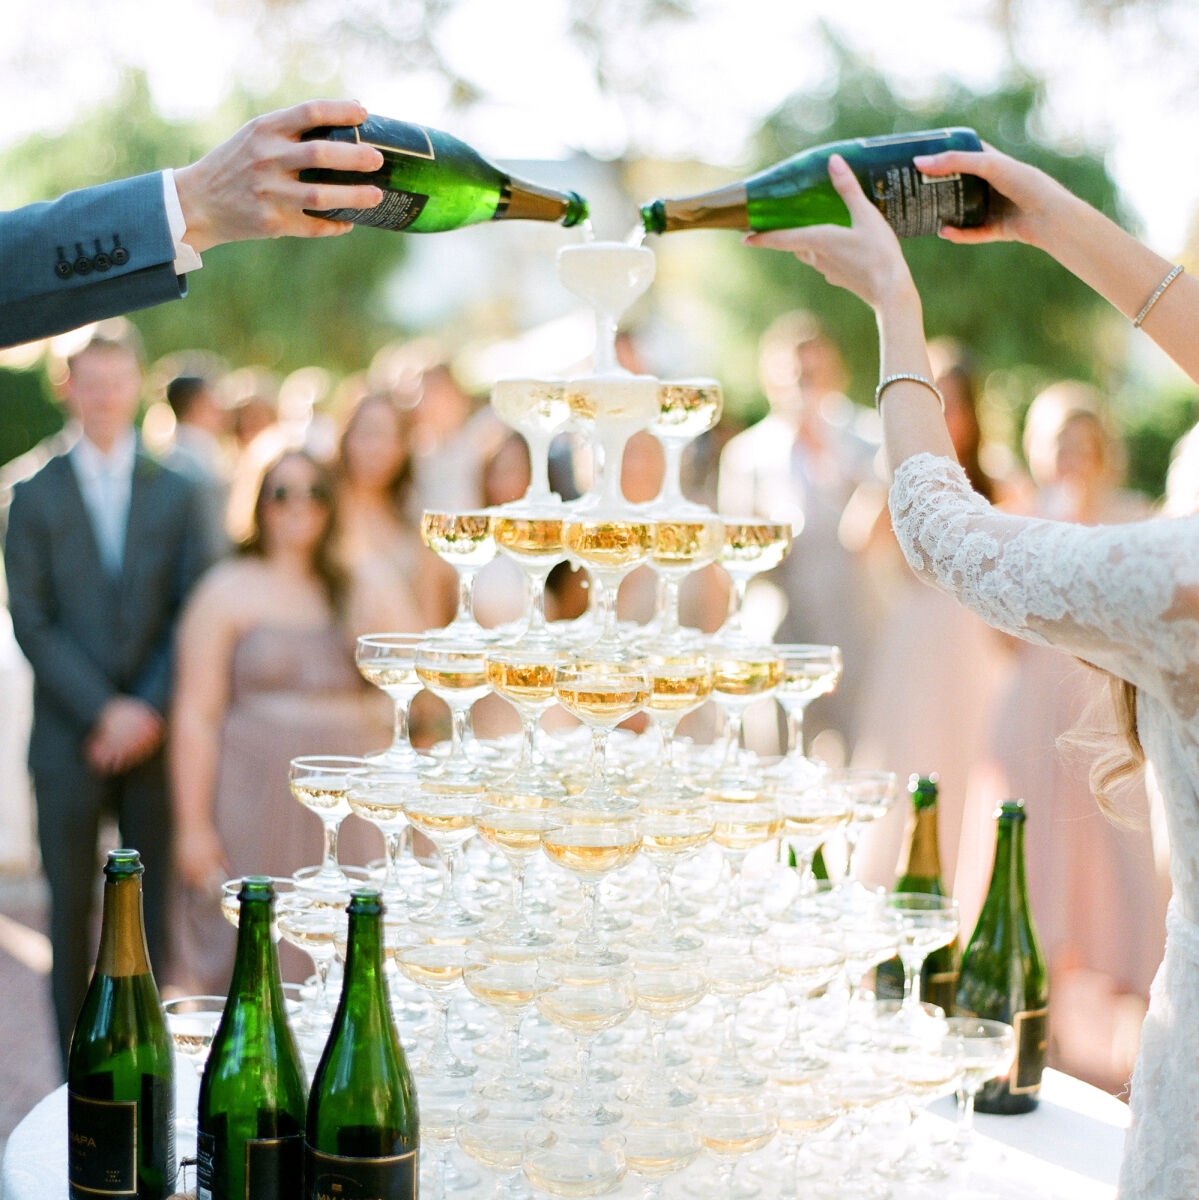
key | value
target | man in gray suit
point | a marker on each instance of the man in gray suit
(103, 546)
(107, 250)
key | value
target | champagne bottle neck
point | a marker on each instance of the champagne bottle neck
(364, 982)
(1007, 898)
(924, 857)
(123, 951)
(521, 200)
(256, 968)
(724, 208)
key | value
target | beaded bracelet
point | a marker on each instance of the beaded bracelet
(900, 377)
(1161, 287)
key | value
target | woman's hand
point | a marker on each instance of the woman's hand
(1025, 202)
(200, 858)
(864, 259)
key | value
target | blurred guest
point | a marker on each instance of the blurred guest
(928, 691)
(1097, 891)
(374, 480)
(801, 463)
(18, 851)
(197, 450)
(103, 546)
(266, 673)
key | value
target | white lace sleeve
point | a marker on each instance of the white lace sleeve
(1124, 597)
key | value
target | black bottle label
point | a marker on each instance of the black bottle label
(101, 1146)
(334, 1178)
(1031, 1029)
(397, 137)
(274, 1169)
(397, 210)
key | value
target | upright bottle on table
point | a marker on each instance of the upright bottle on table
(362, 1134)
(1003, 974)
(939, 976)
(252, 1101)
(121, 1068)
(433, 182)
(798, 192)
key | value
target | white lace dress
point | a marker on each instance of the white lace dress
(1125, 598)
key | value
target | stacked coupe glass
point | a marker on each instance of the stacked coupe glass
(611, 964)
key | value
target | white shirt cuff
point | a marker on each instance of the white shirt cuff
(186, 259)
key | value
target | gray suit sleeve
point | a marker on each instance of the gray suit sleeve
(94, 253)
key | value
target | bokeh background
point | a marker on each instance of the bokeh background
(625, 99)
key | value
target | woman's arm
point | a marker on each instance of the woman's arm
(203, 660)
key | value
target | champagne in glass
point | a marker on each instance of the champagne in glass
(750, 547)
(534, 543)
(686, 409)
(681, 545)
(465, 540)
(525, 678)
(388, 661)
(446, 816)
(437, 967)
(322, 783)
(809, 671)
(455, 672)
(539, 410)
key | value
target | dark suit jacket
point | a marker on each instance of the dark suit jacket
(87, 636)
(94, 253)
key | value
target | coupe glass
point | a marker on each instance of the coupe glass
(812, 813)
(729, 1130)
(735, 969)
(858, 1091)
(803, 1113)
(809, 671)
(446, 816)
(231, 905)
(465, 540)
(378, 796)
(533, 541)
(574, 1164)
(871, 795)
(681, 545)
(671, 835)
(455, 672)
(590, 845)
(493, 1134)
(601, 694)
(192, 1023)
(538, 410)
(687, 408)
(525, 678)
(806, 963)
(750, 547)
(678, 685)
(506, 979)
(741, 676)
(927, 923)
(655, 1152)
(609, 544)
(312, 921)
(983, 1050)
(515, 831)
(388, 660)
(585, 999)
(737, 828)
(322, 783)
(437, 967)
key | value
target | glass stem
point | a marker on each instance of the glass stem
(539, 466)
(536, 580)
(466, 596)
(795, 731)
(329, 851)
(672, 471)
(400, 738)
(670, 606)
(394, 843)
(911, 981)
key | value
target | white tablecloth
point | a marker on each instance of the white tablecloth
(1068, 1148)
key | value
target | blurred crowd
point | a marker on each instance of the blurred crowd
(303, 499)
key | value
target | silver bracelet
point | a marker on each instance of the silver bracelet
(901, 377)
(1161, 287)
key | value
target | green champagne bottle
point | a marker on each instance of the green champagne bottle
(432, 182)
(939, 976)
(798, 192)
(1003, 974)
(121, 1068)
(362, 1133)
(252, 1100)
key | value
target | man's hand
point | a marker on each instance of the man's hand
(249, 187)
(126, 733)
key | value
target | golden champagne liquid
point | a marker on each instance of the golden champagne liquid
(810, 824)
(330, 801)
(806, 974)
(522, 682)
(231, 908)
(535, 405)
(614, 399)
(521, 839)
(426, 967)
(435, 823)
(583, 1010)
(687, 408)
(390, 677)
(664, 994)
(461, 539)
(738, 977)
(501, 985)
(735, 1143)
(687, 544)
(662, 846)
(493, 1150)
(743, 676)
(390, 818)
(802, 1123)
(590, 852)
(530, 539)
(598, 702)
(803, 683)
(608, 544)
(744, 832)
(451, 679)
(307, 936)
(678, 689)
(754, 546)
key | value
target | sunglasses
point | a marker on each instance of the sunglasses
(281, 493)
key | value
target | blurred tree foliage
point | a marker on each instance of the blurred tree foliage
(1025, 320)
